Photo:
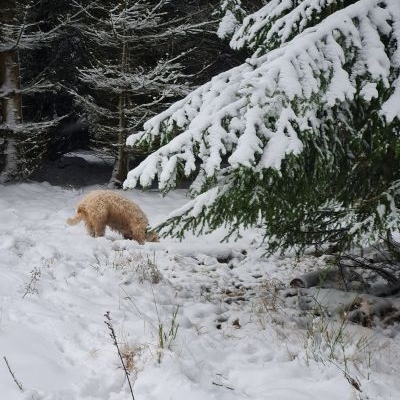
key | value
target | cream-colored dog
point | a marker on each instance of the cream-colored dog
(102, 208)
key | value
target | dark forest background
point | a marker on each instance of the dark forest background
(86, 74)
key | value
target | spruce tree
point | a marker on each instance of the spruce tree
(301, 139)
(143, 56)
(28, 85)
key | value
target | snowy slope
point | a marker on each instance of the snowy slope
(56, 284)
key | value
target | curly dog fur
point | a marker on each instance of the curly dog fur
(102, 208)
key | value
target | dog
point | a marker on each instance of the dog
(102, 208)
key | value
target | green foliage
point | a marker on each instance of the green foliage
(302, 141)
(342, 188)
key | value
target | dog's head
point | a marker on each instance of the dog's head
(152, 236)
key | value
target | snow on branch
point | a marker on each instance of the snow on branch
(278, 22)
(23, 35)
(254, 115)
(165, 73)
(32, 128)
(233, 14)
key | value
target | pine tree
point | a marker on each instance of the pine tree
(302, 138)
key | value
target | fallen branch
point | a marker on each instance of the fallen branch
(358, 262)
(327, 277)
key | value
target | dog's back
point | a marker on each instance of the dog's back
(113, 207)
(104, 207)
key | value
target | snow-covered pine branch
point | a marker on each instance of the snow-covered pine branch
(232, 17)
(251, 109)
(278, 22)
(337, 78)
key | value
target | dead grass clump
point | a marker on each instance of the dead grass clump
(143, 265)
(130, 354)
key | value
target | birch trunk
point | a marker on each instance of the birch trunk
(11, 111)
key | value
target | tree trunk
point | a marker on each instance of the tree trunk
(11, 111)
(120, 170)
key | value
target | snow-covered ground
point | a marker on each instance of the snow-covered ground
(232, 338)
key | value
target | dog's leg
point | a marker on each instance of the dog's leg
(90, 228)
(99, 228)
(100, 220)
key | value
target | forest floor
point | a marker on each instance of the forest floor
(194, 320)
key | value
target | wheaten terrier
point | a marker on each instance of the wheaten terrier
(102, 208)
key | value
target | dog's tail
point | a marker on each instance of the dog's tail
(77, 218)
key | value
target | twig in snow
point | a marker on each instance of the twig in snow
(114, 338)
(13, 375)
(31, 287)
(220, 384)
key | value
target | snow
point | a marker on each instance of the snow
(56, 284)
